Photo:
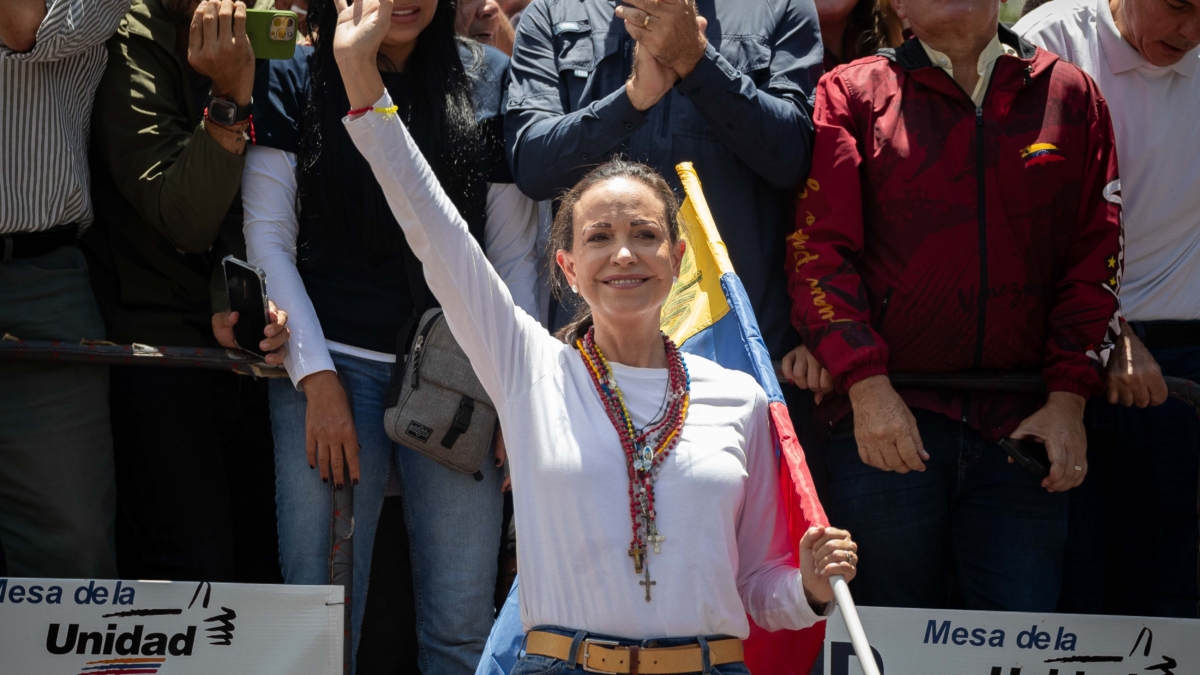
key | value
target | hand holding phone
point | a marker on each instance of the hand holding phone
(1031, 455)
(247, 288)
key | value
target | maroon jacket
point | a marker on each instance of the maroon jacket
(918, 200)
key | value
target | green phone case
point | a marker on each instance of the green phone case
(272, 33)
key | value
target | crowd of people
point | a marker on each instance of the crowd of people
(903, 186)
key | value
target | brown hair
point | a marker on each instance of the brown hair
(562, 232)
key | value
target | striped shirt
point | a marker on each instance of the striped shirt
(45, 115)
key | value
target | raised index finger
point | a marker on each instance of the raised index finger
(340, 5)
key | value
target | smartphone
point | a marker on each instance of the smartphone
(247, 287)
(272, 33)
(1029, 454)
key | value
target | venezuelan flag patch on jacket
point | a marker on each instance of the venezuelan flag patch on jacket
(1041, 153)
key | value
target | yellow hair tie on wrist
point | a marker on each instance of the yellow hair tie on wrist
(390, 110)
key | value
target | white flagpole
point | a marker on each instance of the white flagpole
(858, 637)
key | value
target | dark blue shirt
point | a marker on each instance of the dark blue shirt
(363, 298)
(743, 117)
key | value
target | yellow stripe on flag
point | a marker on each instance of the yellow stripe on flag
(696, 301)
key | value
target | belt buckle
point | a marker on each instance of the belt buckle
(587, 643)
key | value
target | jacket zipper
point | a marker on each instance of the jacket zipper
(883, 307)
(981, 187)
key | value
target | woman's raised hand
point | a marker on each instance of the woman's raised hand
(360, 30)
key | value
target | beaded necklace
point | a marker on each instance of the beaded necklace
(645, 449)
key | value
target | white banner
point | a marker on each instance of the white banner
(921, 642)
(100, 627)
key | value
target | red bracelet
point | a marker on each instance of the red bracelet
(361, 111)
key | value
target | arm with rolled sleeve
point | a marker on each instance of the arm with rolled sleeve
(1083, 322)
(769, 129)
(67, 28)
(550, 149)
(829, 306)
(179, 179)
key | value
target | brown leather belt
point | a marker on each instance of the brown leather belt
(606, 656)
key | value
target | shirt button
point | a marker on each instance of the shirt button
(628, 126)
(585, 156)
(695, 90)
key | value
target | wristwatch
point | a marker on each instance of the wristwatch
(225, 112)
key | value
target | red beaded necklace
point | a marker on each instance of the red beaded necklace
(646, 449)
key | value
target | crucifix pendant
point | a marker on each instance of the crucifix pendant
(638, 555)
(656, 540)
(647, 583)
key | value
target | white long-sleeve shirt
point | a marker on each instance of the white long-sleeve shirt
(726, 552)
(271, 227)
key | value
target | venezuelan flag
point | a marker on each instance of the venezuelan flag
(709, 315)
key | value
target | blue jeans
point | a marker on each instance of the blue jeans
(531, 664)
(453, 521)
(1150, 487)
(970, 512)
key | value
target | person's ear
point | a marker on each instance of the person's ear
(566, 263)
(898, 6)
(680, 248)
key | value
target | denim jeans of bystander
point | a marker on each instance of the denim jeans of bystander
(453, 521)
(970, 514)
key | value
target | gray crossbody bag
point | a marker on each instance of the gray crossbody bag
(442, 410)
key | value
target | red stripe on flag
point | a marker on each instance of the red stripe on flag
(789, 652)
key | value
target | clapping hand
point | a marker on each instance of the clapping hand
(671, 30)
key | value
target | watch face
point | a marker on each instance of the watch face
(222, 111)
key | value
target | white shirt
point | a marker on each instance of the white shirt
(271, 228)
(717, 498)
(985, 65)
(1157, 124)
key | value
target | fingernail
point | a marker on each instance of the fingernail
(354, 482)
(312, 466)
(324, 480)
(791, 381)
(264, 345)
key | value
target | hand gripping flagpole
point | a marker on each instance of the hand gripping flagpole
(858, 637)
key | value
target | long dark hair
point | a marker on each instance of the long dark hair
(336, 191)
(562, 233)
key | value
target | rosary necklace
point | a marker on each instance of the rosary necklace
(645, 449)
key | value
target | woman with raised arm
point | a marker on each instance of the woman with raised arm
(645, 480)
(319, 225)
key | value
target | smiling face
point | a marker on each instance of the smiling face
(409, 18)
(622, 256)
(1163, 31)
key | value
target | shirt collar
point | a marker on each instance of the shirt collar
(1122, 57)
(994, 50)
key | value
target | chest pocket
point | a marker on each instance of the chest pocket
(579, 51)
(748, 55)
